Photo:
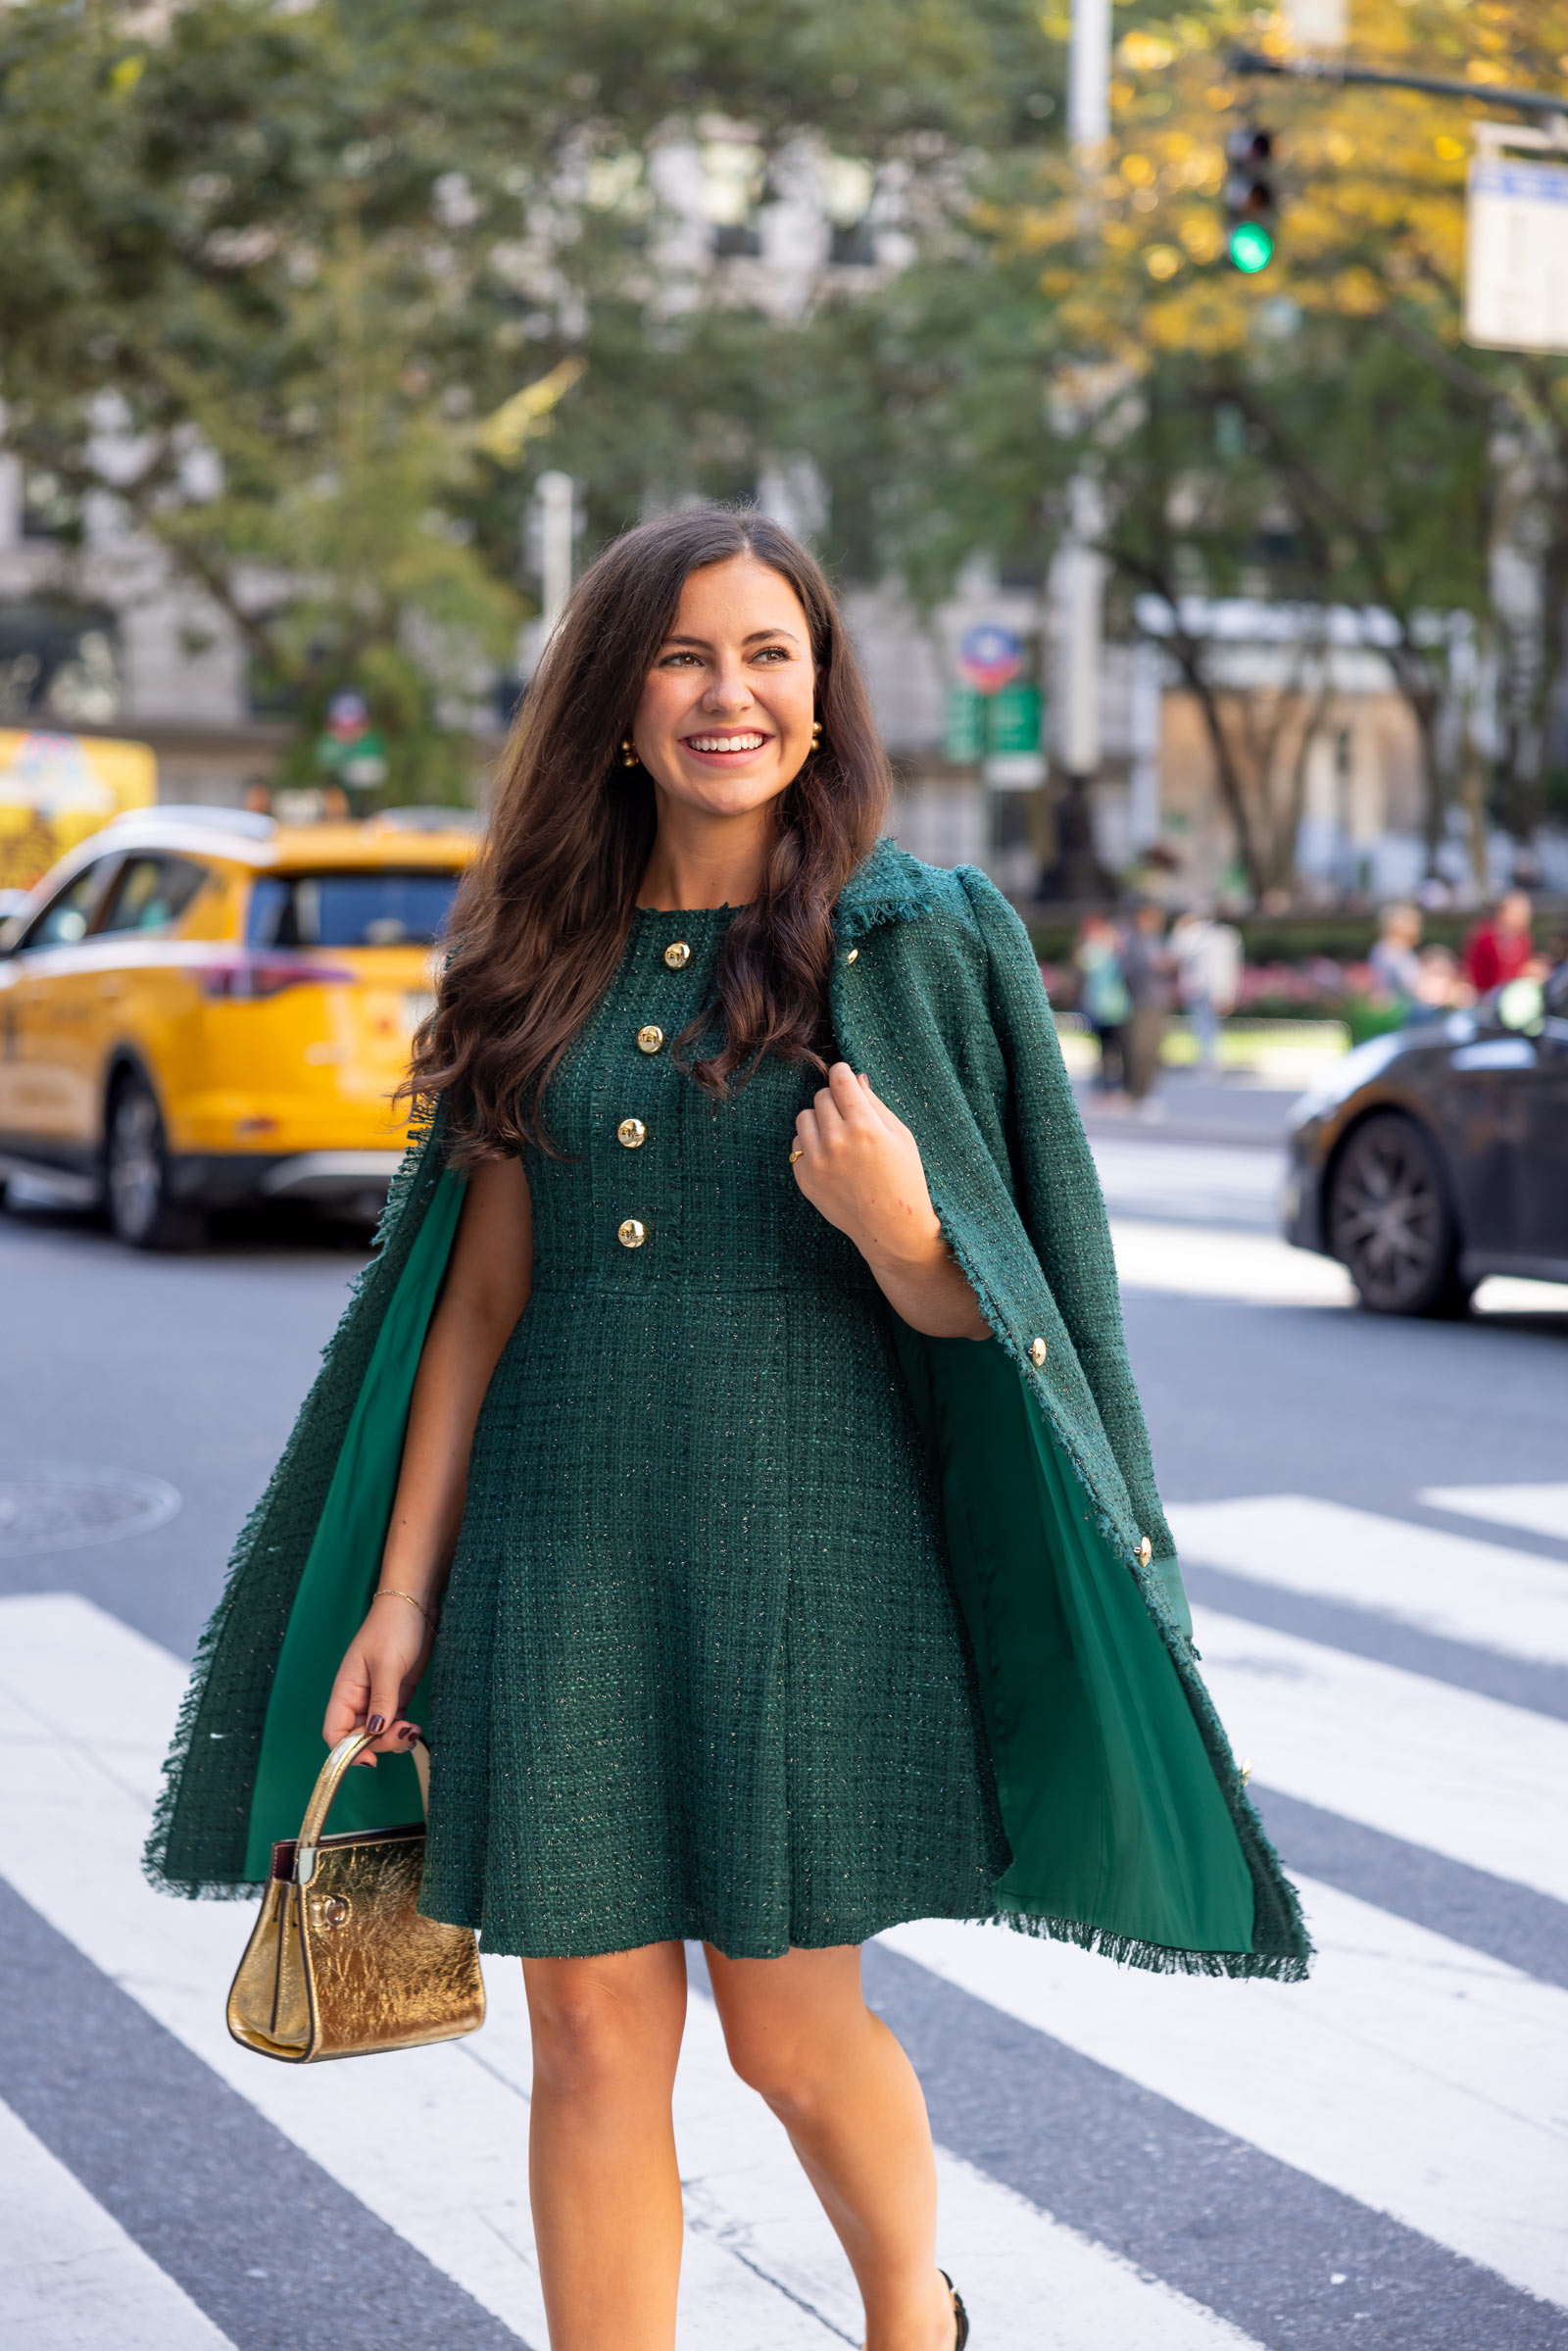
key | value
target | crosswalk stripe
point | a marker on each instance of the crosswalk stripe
(1213, 1184)
(1452, 1585)
(1537, 1510)
(71, 2278)
(1415, 2076)
(1010, 2261)
(70, 1836)
(1467, 1775)
(1197, 1261)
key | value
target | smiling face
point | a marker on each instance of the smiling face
(724, 722)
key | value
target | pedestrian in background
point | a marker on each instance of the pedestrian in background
(1442, 986)
(646, 1473)
(1102, 998)
(1148, 968)
(1207, 955)
(1394, 960)
(1501, 945)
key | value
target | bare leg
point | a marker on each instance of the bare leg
(799, 2031)
(601, 2173)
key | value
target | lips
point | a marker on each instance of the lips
(748, 740)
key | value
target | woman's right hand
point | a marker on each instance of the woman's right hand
(378, 1675)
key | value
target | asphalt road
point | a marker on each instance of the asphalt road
(1374, 1518)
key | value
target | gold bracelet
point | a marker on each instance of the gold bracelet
(387, 1592)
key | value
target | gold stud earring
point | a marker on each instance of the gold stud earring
(816, 735)
(628, 752)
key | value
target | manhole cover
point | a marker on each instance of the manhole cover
(54, 1508)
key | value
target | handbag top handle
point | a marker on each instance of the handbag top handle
(329, 1779)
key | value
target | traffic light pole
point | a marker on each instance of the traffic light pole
(1079, 571)
(1321, 68)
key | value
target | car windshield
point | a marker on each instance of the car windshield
(379, 907)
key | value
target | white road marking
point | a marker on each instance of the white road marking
(1198, 1183)
(1514, 1294)
(1467, 1775)
(1203, 1260)
(1194, 1260)
(1537, 1509)
(762, 2270)
(1418, 2077)
(71, 2278)
(1467, 1590)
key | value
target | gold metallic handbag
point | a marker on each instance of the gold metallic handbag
(340, 1963)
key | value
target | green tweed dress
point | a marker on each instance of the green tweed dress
(699, 1671)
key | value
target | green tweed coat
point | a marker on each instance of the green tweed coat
(1129, 1827)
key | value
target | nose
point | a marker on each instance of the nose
(728, 691)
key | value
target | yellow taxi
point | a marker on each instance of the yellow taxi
(201, 1008)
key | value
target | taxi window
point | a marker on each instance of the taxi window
(379, 907)
(152, 893)
(65, 918)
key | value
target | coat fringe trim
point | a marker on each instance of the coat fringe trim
(1158, 1959)
(161, 1866)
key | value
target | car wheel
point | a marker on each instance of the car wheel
(1389, 1222)
(136, 1174)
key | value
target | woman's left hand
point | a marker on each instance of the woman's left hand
(860, 1166)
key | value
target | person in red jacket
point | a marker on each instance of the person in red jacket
(1499, 949)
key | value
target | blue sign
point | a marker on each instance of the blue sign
(991, 657)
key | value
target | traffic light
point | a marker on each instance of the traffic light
(1250, 210)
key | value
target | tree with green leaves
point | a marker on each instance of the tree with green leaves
(307, 288)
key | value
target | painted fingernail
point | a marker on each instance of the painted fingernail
(376, 1725)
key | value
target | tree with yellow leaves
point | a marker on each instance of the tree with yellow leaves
(1404, 458)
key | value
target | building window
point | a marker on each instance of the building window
(59, 665)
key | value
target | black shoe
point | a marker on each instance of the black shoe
(959, 2313)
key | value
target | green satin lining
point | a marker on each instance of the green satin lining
(1108, 1798)
(341, 1570)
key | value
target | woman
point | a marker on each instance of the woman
(772, 1471)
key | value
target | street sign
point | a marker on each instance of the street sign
(963, 738)
(990, 655)
(1516, 256)
(1013, 720)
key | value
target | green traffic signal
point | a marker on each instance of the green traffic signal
(1251, 206)
(1251, 247)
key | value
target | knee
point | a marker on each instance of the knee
(588, 2038)
(789, 2072)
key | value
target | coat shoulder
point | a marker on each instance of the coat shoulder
(956, 934)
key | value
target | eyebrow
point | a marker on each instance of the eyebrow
(756, 637)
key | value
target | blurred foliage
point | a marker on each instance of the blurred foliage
(319, 289)
(283, 279)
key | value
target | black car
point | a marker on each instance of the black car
(1439, 1154)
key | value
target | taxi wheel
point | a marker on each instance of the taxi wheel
(136, 1174)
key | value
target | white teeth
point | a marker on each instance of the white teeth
(726, 742)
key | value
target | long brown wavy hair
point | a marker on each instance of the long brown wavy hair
(542, 916)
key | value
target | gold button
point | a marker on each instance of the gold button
(631, 1132)
(677, 954)
(632, 1234)
(1146, 1552)
(650, 1038)
(850, 956)
(1037, 1353)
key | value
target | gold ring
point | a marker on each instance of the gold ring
(796, 1153)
